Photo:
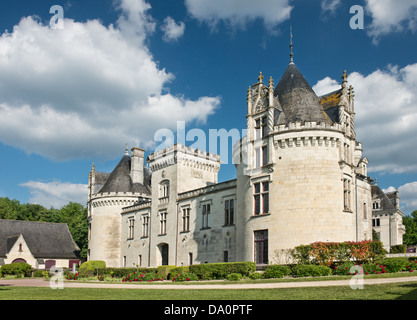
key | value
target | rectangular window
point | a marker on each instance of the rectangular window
(185, 219)
(145, 226)
(258, 157)
(261, 247)
(264, 155)
(163, 222)
(261, 198)
(376, 222)
(229, 212)
(346, 194)
(190, 258)
(365, 211)
(264, 125)
(225, 256)
(206, 216)
(261, 128)
(131, 230)
(258, 129)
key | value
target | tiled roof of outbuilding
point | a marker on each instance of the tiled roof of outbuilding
(45, 240)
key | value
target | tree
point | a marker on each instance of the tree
(410, 223)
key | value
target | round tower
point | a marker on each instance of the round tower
(297, 170)
(108, 194)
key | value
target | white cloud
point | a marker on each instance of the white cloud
(391, 16)
(330, 6)
(325, 86)
(237, 13)
(172, 30)
(56, 194)
(408, 196)
(88, 89)
(386, 114)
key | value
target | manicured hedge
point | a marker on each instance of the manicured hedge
(124, 272)
(327, 253)
(209, 271)
(310, 270)
(276, 271)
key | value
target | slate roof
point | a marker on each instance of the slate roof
(45, 240)
(297, 98)
(330, 103)
(119, 179)
(386, 204)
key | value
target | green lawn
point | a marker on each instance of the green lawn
(400, 291)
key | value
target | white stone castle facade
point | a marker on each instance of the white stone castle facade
(300, 178)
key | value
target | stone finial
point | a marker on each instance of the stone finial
(271, 84)
(344, 78)
(351, 92)
(261, 77)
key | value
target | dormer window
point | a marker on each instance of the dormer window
(376, 205)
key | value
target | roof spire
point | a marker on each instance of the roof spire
(127, 150)
(291, 47)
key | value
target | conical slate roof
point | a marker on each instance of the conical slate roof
(120, 181)
(297, 98)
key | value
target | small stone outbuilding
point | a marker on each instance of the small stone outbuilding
(40, 244)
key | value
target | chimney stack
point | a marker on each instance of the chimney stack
(136, 169)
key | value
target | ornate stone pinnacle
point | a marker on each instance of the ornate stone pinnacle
(261, 77)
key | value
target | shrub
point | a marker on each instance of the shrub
(309, 270)
(411, 266)
(301, 254)
(255, 275)
(400, 248)
(140, 277)
(164, 271)
(177, 270)
(373, 268)
(91, 267)
(327, 253)
(394, 264)
(188, 276)
(123, 272)
(72, 276)
(343, 269)
(221, 270)
(234, 276)
(276, 271)
(21, 269)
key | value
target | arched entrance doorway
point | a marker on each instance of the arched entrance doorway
(18, 260)
(162, 254)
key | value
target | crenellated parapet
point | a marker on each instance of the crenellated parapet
(187, 156)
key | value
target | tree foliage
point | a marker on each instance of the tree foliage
(410, 223)
(73, 214)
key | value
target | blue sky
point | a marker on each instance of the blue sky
(120, 70)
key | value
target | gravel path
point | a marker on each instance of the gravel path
(67, 284)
